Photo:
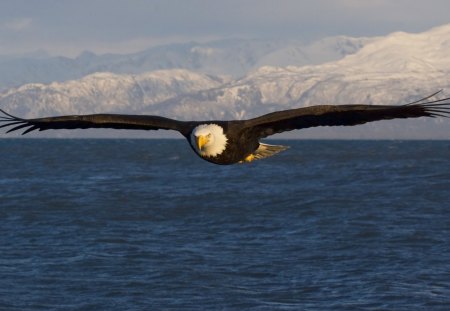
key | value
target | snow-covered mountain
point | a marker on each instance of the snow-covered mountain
(105, 92)
(233, 57)
(395, 69)
(391, 70)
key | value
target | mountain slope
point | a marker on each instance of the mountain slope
(233, 57)
(105, 92)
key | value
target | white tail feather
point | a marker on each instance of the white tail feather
(265, 150)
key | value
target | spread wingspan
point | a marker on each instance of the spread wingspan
(114, 121)
(345, 115)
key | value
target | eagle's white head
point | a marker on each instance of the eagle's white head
(208, 140)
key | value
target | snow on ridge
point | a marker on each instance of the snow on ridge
(401, 51)
(104, 92)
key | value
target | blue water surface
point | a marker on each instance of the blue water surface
(146, 225)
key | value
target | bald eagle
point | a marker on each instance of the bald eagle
(237, 141)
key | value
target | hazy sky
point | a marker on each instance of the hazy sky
(69, 27)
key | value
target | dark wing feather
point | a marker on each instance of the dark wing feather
(113, 121)
(344, 115)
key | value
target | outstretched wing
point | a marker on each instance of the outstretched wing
(113, 121)
(345, 115)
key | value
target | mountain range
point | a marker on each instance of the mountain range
(228, 81)
(233, 57)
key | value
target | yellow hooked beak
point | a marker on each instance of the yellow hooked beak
(201, 141)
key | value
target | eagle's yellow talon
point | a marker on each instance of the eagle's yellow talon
(249, 158)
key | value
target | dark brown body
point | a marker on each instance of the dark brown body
(241, 142)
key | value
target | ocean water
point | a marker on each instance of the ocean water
(146, 225)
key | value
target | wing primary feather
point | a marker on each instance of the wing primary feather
(438, 108)
(18, 127)
(32, 128)
(435, 102)
(10, 115)
(434, 111)
(434, 115)
(425, 98)
(11, 124)
(437, 105)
